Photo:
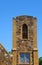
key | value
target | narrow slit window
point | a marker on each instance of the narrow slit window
(22, 57)
(24, 31)
(27, 57)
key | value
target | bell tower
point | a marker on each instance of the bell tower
(24, 42)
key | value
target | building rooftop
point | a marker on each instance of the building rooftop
(5, 57)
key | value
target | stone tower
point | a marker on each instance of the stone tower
(24, 42)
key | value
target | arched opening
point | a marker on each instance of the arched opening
(24, 31)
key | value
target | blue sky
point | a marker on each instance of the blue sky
(13, 8)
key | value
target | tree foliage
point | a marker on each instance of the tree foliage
(10, 52)
(40, 61)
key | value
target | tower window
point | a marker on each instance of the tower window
(24, 57)
(27, 57)
(24, 31)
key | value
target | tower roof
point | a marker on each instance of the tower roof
(22, 17)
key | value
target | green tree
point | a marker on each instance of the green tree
(10, 52)
(40, 61)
